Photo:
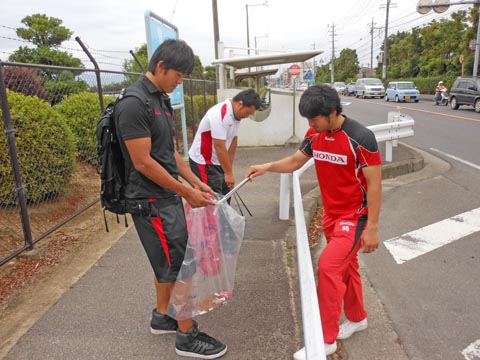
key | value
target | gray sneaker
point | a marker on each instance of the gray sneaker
(198, 345)
(162, 324)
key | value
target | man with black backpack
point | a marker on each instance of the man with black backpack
(153, 191)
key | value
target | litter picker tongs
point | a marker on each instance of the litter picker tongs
(233, 191)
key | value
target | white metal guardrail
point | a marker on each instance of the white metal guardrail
(399, 126)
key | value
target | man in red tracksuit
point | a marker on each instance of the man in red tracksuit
(348, 166)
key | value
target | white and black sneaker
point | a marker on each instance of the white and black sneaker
(198, 345)
(162, 324)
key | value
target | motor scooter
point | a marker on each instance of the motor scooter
(444, 97)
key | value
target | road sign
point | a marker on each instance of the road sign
(294, 70)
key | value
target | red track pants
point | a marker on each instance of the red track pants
(338, 277)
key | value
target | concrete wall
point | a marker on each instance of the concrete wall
(277, 128)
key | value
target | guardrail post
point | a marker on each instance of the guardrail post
(284, 208)
(393, 116)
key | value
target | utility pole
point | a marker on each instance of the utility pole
(385, 45)
(372, 28)
(216, 36)
(332, 66)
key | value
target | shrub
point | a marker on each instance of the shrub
(81, 112)
(199, 108)
(23, 80)
(45, 149)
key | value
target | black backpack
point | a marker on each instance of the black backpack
(111, 161)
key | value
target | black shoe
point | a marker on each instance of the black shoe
(162, 324)
(198, 345)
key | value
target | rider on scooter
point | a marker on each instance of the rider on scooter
(438, 92)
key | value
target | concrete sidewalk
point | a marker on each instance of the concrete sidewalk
(106, 313)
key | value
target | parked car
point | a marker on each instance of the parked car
(402, 91)
(349, 89)
(339, 86)
(369, 87)
(465, 91)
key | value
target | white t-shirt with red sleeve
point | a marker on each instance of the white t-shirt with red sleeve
(218, 123)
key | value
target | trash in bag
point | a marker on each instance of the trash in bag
(207, 275)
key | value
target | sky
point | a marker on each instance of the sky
(110, 28)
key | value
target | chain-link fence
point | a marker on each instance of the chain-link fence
(48, 162)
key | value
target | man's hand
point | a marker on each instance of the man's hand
(204, 187)
(257, 170)
(230, 180)
(197, 198)
(369, 239)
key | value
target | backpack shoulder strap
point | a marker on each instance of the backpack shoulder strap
(132, 92)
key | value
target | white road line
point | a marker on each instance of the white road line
(475, 166)
(472, 351)
(431, 237)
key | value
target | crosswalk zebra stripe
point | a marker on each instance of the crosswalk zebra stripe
(418, 242)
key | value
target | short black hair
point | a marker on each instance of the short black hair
(248, 97)
(175, 54)
(319, 99)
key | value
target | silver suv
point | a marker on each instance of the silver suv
(369, 87)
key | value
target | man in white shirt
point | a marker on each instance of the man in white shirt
(213, 150)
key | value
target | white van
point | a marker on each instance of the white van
(369, 87)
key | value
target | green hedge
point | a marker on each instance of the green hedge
(81, 112)
(45, 147)
(199, 108)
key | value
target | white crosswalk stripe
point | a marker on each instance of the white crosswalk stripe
(472, 351)
(413, 244)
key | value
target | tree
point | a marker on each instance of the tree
(47, 34)
(44, 31)
(141, 54)
(346, 65)
(404, 54)
(210, 73)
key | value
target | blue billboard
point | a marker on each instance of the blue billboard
(158, 30)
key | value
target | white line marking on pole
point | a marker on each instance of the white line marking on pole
(418, 242)
(475, 166)
(472, 351)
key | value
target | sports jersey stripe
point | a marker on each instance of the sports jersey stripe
(206, 147)
(224, 111)
(158, 226)
(203, 173)
(354, 146)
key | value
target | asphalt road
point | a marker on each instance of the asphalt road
(432, 299)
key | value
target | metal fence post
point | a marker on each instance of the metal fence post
(97, 73)
(12, 148)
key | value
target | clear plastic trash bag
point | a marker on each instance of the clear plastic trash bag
(207, 275)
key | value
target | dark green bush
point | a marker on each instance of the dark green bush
(200, 107)
(81, 112)
(45, 147)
